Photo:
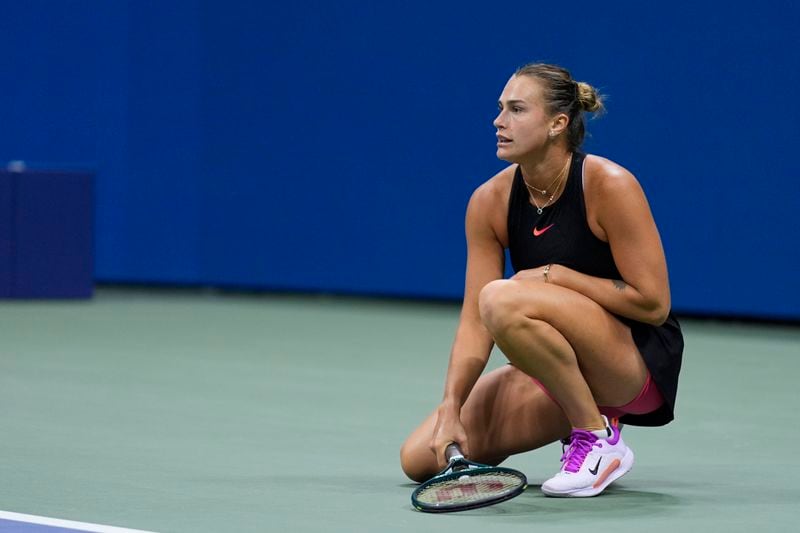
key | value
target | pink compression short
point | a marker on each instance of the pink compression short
(648, 400)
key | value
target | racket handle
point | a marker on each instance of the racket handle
(453, 452)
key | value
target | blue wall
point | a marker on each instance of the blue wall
(321, 146)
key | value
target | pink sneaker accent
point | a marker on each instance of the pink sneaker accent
(593, 460)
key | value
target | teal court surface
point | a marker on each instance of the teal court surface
(200, 411)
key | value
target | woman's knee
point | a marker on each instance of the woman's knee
(499, 305)
(505, 305)
(417, 461)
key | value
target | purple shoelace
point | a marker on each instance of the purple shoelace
(580, 445)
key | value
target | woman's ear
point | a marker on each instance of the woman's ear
(558, 125)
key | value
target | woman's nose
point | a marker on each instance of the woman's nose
(497, 122)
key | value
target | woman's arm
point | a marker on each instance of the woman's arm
(619, 206)
(473, 342)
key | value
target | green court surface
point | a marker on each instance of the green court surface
(192, 411)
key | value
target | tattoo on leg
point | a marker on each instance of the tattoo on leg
(619, 284)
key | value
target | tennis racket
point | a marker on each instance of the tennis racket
(464, 485)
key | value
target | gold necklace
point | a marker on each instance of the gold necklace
(543, 192)
(553, 195)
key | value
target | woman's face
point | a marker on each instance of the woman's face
(523, 125)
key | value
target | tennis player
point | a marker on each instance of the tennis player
(585, 322)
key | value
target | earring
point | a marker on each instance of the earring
(552, 134)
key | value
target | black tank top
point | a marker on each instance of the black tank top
(561, 235)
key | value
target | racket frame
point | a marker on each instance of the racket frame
(457, 467)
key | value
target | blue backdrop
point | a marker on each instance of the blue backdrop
(333, 146)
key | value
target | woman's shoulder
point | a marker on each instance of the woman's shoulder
(496, 189)
(602, 175)
(610, 190)
(488, 206)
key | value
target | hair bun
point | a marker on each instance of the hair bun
(588, 97)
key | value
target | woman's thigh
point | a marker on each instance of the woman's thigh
(506, 413)
(607, 355)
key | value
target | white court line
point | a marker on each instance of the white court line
(69, 524)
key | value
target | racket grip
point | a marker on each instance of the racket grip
(453, 452)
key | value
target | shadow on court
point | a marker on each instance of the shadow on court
(533, 503)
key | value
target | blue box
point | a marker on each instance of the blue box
(46, 234)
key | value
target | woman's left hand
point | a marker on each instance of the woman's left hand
(537, 274)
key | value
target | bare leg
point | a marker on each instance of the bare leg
(577, 349)
(565, 340)
(506, 413)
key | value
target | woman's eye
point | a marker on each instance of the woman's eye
(516, 109)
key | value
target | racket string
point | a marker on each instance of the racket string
(468, 489)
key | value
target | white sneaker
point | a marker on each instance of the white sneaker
(592, 462)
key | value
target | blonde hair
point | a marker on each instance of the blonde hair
(563, 94)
